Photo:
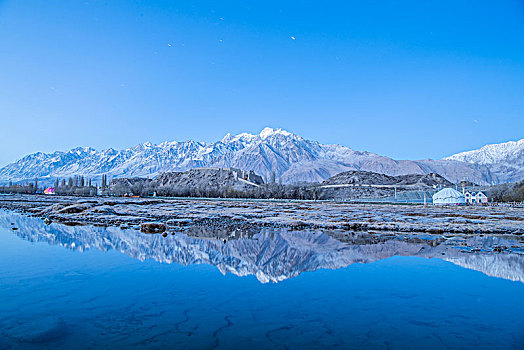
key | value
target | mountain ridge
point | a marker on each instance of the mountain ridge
(505, 159)
(291, 157)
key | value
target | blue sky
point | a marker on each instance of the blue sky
(406, 79)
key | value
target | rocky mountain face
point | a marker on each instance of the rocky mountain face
(415, 181)
(215, 177)
(290, 157)
(199, 179)
(504, 159)
(210, 178)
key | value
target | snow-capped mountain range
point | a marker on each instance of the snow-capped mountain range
(291, 157)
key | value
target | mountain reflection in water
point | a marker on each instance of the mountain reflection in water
(274, 255)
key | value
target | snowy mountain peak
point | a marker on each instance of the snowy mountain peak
(82, 150)
(505, 160)
(268, 132)
(167, 144)
(243, 137)
(227, 138)
(492, 154)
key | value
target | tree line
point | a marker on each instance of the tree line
(512, 192)
(27, 187)
(146, 187)
(77, 185)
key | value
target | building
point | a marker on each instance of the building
(475, 197)
(238, 174)
(49, 190)
(448, 196)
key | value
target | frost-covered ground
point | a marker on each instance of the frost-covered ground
(225, 217)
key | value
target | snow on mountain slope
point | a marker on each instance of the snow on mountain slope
(505, 159)
(492, 154)
(291, 157)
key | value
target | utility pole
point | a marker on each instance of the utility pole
(395, 193)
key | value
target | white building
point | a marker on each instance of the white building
(475, 197)
(448, 196)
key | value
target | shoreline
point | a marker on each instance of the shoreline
(229, 216)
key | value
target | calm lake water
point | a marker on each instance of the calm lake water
(92, 287)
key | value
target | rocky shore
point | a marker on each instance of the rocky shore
(216, 217)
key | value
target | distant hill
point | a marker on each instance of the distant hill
(365, 184)
(290, 157)
(211, 178)
(213, 182)
(415, 181)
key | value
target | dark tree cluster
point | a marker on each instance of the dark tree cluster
(81, 186)
(27, 188)
(146, 187)
(305, 191)
(513, 192)
(76, 185)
